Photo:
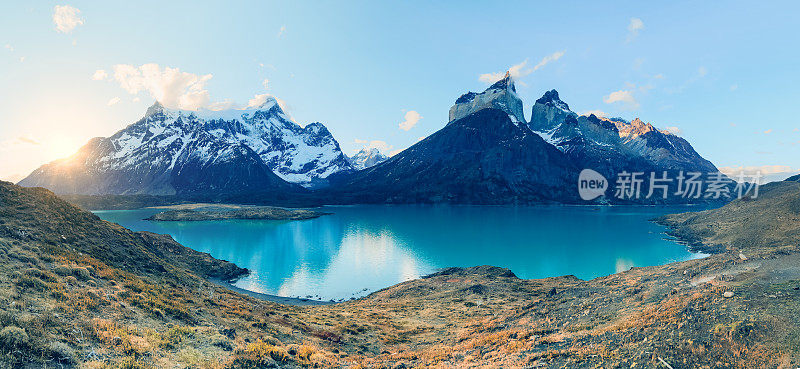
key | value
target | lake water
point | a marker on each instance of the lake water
(360, 249)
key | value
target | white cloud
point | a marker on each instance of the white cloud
(659, 76)
(773, 172)
(768, 131)
(518, 71)
(673, 130)
(598, 113)
(411, 119)
(382, 146)
(99, 75)
(734, 87)
(18, 142)
(21, 59)
(113, 101)
(702, 71)
(170, 86)
(547, 59)
(257, 100)
(282, 30)
(624, 96)
(634, 27)
(66, 18)
(9, 47)
(266, 84)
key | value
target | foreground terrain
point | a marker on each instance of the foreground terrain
(79, 291)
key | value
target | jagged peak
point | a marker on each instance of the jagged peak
(154, 109)
(507, 82)
(551, 98)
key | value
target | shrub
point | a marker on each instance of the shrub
(41, 274)
(258, 355)
(222, 342)
(12, 337)
(81, 273)
(304, 352)
(61, 352)
(175, 335)
(27, 282)
(62, 270)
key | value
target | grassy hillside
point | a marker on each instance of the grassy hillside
(78, 291)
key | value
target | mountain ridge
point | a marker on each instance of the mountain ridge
(178, 152)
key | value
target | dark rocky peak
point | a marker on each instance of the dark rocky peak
(466, 97)
(551, 98)
(505, 83)
(602, 122)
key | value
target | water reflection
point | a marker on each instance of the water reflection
(360, 249)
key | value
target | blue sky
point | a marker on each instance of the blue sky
(725, 74)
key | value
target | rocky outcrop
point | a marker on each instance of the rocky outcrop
(501, 95)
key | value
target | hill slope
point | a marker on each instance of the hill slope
(81, 291)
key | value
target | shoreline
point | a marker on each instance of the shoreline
(295, 301)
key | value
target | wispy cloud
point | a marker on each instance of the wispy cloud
(265, 83)
(100, 75)
(411, 119)
(598, 113)
(16, 142)
(624, 96)
(281, 31)
(634, 27)
(381, 145)
(176, 89)
(113, 101)
(673, 130)
(170, 86)
(66, 18)
(520, 70)
(770, 172)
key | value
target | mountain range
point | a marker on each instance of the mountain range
(487, 153)
(177, 152)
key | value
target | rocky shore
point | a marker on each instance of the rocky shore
(228, 212)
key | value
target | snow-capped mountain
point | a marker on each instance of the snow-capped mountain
(367, 157)
(182, 152)
(501, 95)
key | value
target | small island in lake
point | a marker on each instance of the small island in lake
(196, 212)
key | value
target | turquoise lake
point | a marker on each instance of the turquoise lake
(360, 249)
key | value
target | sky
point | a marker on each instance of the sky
(724, 75)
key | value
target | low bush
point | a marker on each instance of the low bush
(12, 338)
(62, 353)
(30, 283)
